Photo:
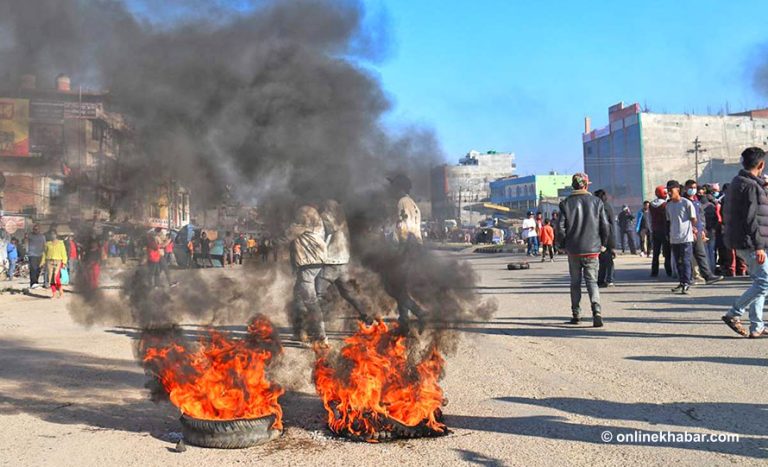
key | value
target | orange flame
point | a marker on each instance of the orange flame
(373, 384)
(222, 378)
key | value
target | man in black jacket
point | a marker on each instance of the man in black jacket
(583, 233)
(605, 274)
(627, 229)
(746, 221)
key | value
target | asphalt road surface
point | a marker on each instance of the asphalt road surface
(524, 388)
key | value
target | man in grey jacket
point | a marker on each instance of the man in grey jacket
(584, 231)
(335, 269)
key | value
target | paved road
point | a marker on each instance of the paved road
(524, 388)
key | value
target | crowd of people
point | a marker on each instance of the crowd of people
(703, 233)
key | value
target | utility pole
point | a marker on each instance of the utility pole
(695, 151)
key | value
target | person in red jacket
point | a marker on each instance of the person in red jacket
(547, 239)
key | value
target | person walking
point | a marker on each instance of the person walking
(700, 235)
(547, 238)
(336, 267)
(35, 248)
(13, 257)
(55, 258)
(746, 218)
(657, 212)
(530, 235)
(607, 269)
(643, 227)
(205, 250)
(308, 253)
(584, 230)
(709, 206)
(154, 258)
(682, 220)
(627, 230)
(73, 254)
(730, 263)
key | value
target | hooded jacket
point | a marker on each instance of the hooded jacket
(583, 228)
(658, 214)
(336, 234)
(746, 213)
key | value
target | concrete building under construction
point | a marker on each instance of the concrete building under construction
(639, 150)
(458, 191)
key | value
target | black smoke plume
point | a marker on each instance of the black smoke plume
(275, 105)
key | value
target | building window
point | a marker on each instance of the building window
(55, 191)
(97, 130)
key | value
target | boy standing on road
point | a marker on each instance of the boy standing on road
(547, 237)
(682, 220)
(746, 216)
(584, 231)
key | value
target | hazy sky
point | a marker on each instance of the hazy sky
(520, 76)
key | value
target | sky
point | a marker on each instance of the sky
(521, 75)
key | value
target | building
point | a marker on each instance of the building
(458, 191)
(522, 194)
(60, 159)
(639, 150)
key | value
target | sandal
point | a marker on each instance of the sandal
(735, 324)
(763, 333)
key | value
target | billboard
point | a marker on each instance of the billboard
(14, 127)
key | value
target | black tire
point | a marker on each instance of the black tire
(518, 266)
(228, 434)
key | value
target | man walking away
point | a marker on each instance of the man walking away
(626, 229)
(35, 252)
(746, 218)
(547, 242)
(606, 272)
(730, 263)
(644, 229)
(584, 229)
(682, 221)
(660, 232)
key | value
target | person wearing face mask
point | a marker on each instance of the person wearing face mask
(746, 218)
(700, 235)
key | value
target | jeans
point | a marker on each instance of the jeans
(34, 270)
(645, 241)
(684, 257)
(307, 305)
(586, 267)
(702, 259)
(533, 246)
(628, 236)
(711, 248)
(661, 246)
(605, 274)
(753, 298)
(337, 274)
(11, 268)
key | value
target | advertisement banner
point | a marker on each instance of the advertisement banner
(14, 127)
(12, 224)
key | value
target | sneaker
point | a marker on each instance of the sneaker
(714, 280)
(610, 284)
(685, 289)
(597, 321)
(602, 285)
(678, 288)
(575, 320)
(543, 259)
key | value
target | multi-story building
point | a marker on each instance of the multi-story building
(458, 191)
(522, 194)
(639, 150)
(60, 158)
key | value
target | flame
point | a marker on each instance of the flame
(373, 384)
(222, 378)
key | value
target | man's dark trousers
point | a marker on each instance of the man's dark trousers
(661, 245)
(684, 256)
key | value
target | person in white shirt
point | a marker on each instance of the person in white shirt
(530, 235)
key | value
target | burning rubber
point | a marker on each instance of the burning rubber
(228, 434)
(372, 391)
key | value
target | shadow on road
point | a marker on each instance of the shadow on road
(763, 362)
(747, 420)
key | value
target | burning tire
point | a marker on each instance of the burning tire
(228, 434)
